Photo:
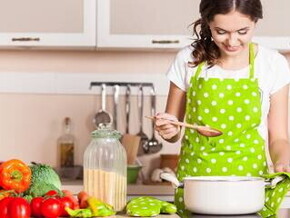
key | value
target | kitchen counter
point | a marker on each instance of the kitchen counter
(283, 213)
(162, 192)
(159, 216)
(165, 192)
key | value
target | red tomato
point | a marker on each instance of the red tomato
(66, 202)
(19, 207)
(69, 194)
(35, 205)
(52, 193)
(83, 197)
(75, 202)
(4, 207)
(51, 207)
(66, 192)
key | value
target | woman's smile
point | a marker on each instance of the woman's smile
(230, 48)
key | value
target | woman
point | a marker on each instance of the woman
(224, 81)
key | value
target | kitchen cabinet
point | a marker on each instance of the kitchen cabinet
(115, 24)
(166, 24)
(54, 23)
(145, 24)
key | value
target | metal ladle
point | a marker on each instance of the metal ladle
(153, 145)
(103, 117)
(144, 138)
(202, 130)
(116, 102)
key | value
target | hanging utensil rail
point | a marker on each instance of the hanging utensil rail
(146, 84)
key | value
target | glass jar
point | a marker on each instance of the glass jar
(105, 168)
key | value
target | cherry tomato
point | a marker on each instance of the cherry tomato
(19, 207)
(35, 205)
(83, 197)
(51, 207)
(66, 202)
(52, 193)
(66, 192)
(73, 199)
(4, 207)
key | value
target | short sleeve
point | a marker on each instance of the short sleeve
(282, 73)
(177, 72)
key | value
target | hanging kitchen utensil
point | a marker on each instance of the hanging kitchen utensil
(144, 138)
(116, 101)
(102, 117)
(130, 142)
(127, 107)
(153, 145)
(203, 130)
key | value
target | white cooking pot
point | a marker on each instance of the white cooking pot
(223, 195)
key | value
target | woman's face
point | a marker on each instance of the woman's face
(232, 32)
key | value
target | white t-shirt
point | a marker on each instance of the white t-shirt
(271, 69)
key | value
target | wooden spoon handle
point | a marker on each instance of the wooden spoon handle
(203, 130)
(178, 123)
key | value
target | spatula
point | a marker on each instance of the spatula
(203, 130)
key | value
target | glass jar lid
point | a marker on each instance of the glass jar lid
(105, 131)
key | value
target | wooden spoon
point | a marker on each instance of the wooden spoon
(203, 130)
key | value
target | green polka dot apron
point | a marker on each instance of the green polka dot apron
(234, 107)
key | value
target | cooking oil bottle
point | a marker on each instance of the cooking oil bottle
(66, 143)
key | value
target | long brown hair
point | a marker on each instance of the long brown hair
(204, 48)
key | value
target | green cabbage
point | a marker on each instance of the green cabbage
(43, 179)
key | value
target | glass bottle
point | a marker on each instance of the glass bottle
(66, 145)
(105, 168)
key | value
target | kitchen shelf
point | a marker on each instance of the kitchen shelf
(133, 189)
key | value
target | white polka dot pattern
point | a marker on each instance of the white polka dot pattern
(234, 107)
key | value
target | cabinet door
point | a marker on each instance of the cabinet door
(48, 23)
(145, 24)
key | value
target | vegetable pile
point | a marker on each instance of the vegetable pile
(35, 190)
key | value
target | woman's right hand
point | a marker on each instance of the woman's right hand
(165, 129)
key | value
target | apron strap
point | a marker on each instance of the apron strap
(198, 70)
(252, 60)
(251, 66)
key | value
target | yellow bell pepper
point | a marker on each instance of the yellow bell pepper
(100, 208)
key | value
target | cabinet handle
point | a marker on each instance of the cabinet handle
(165, 41)
(25, 39)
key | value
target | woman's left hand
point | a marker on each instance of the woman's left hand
(280, 167)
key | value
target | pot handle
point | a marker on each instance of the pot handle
(170, 178)
(272, 183)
